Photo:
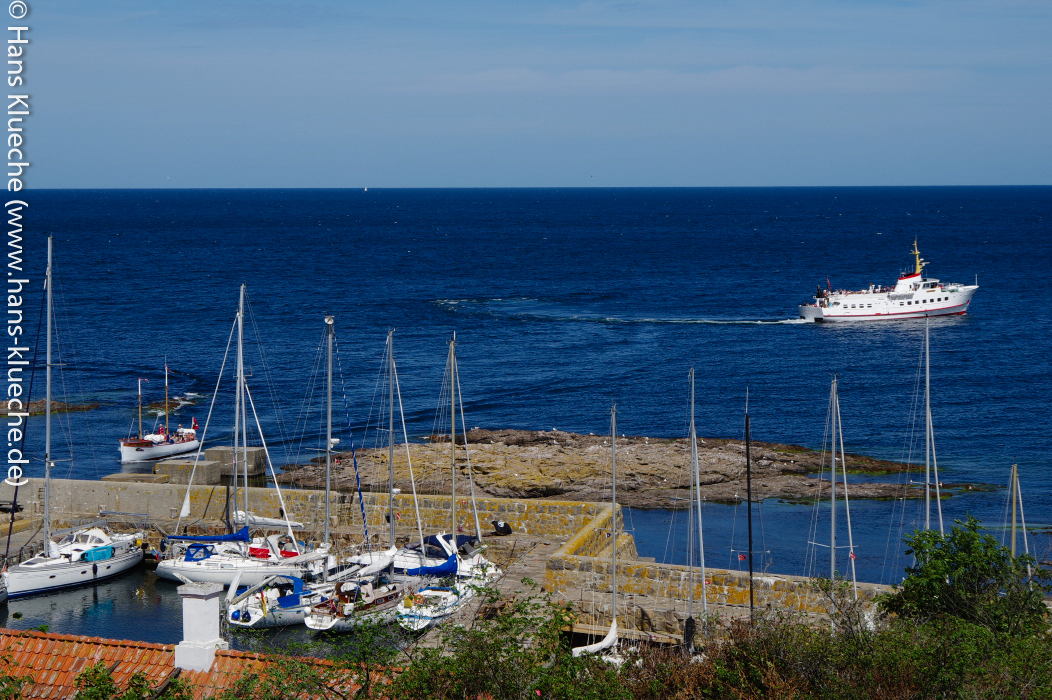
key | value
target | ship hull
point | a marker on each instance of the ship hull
(141, 453)
(840, 308)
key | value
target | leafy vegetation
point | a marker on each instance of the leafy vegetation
(968, 575)
(96, 683)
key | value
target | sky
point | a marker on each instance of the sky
(535, 93)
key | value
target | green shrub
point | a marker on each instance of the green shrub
(968, 575)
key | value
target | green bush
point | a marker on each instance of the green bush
(968, 575)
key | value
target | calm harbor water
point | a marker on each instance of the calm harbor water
(563, 301)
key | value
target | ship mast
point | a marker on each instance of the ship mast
(919, 261)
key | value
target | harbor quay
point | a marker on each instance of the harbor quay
(562, 547)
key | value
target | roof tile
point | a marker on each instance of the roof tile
(55, 660)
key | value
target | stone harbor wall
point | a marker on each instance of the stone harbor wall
(652, 596)
(556, 519)
(75, 500)
(646, 589)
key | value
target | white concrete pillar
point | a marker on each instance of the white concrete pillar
(201, 635)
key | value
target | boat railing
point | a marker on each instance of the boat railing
(24, 553)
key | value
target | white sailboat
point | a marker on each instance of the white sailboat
(84, 555)
(221, 559)
(470, 569)
(161, 443)
(369, 592)
(607, 644)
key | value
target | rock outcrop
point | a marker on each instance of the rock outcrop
(652, 473)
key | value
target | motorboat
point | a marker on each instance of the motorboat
(914, 295)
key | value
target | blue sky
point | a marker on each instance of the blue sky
(239, 93)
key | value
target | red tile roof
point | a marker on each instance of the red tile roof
(53, 662)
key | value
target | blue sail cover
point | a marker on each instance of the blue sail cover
(449, 568)
(199, 551)
(292, 600)
(239, 536)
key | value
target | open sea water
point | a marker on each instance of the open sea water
(563, 302)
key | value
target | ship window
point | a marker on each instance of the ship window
(900, 303)
(909, 302)
(869, 306)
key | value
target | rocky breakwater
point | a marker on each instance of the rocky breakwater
(652, 473)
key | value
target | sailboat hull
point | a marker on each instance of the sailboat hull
(273, 617)
(23, 580)
(323, 622)
(222, 572)
(136, 451)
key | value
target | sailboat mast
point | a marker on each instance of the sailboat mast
(1022, 519)
(166, 428)
(834, 403)
(47, 410)
(690, 507)
(748, 498)
(927, 432)
(453, 441)
(697, 494)
(847, 504)
(1014, 495)
(241, 392)
(140, 408)
(390, 435)
(929, 443)
(329, 329)
(613, 512)
(467, 455)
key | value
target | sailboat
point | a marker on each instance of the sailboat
(225, 558)
(607, 643)
(84, 555)
(161, 443)
(369, 591)
(466, 565)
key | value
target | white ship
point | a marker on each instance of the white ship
(913, 296)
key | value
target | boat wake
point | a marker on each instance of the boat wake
(539, 310)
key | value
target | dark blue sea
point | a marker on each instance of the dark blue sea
(564, 301)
